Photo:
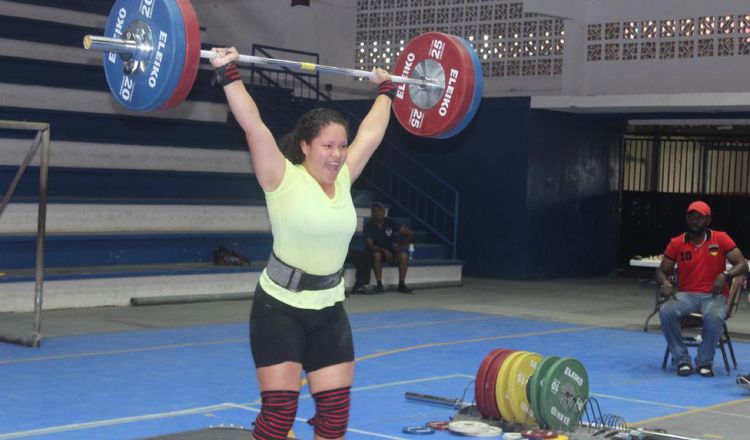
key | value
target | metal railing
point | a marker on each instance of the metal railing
(302, 84)
(41, 139)
(403, 181)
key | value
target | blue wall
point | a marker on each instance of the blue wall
(573, 198)
(535, 194)
(486, 163)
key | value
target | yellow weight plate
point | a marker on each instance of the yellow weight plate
(520, 373)
(501, 386)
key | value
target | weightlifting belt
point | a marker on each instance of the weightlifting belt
(294, 279)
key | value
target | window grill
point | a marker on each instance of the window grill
(686, 165)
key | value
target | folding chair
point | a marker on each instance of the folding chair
(693, 323)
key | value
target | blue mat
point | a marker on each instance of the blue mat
(147, 383)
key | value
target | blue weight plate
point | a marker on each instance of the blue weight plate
(478, 89)
(147, 89)
(417, 430)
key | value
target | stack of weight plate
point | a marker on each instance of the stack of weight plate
(524, 388)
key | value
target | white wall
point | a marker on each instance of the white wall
(709, 74)
(325, 27)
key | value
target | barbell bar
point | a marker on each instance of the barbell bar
(151, 52)
(139, 51)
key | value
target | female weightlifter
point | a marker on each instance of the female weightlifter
(298, 321)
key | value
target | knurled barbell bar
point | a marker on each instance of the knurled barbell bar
(151, 53)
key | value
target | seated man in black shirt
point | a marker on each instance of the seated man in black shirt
(380, 236)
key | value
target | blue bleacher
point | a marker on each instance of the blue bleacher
(95, 254)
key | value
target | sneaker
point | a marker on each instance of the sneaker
(379, 288)
(706, 371)
(403, 289)
(684, 369)
(744, 381)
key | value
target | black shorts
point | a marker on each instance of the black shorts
(313, 338)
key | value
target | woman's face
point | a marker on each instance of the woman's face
(326, 154)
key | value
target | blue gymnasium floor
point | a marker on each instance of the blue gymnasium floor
(147, 383)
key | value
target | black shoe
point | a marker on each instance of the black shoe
(684, 369)
(379, 288)
(706, 371)
(744, 381)
(403, 289)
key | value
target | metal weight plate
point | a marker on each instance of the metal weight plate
(538, 434)
(157, 74)
(501, 386)
(490, 383)
(535, 384)
(473, 105)
(519, 377)
(417, 430)
(427, 111)
(562, 396)
(491, 431)
(479, 382)
(467, 427)
(192, 55)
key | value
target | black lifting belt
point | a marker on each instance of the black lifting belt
(296, 280)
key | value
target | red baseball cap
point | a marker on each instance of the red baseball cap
(700, 207)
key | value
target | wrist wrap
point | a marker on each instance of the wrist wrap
(387, 88)
(227, 74)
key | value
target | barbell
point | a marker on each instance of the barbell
(152, 52)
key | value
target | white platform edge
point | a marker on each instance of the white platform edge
(100, 292)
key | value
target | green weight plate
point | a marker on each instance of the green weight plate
(535, 383)
(562, 396)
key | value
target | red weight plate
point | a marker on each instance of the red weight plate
(192, 55)
(461, 104)
(479, 382)
(489, 383)
(473, 104)
(458, 74)
(439, 425)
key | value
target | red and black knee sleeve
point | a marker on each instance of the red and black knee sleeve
(331, 412)
(277, 412)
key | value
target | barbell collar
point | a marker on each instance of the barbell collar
(106, 44)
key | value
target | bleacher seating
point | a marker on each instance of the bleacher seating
(136, 202)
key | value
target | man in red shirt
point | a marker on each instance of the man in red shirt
(703, 286)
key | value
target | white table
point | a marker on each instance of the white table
(655, 263)
(645, 263)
